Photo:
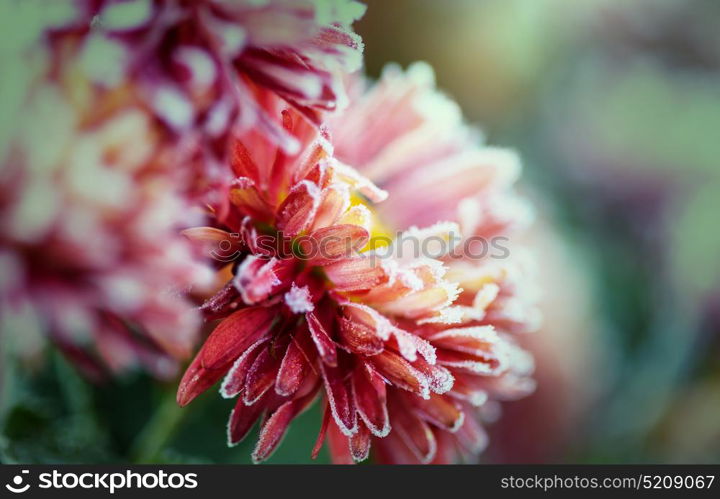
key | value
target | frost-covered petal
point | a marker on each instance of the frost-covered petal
(321, 338)
(242, 419)
(439, 411)
(277, 424)
(360, 444)
(370, 398)
(355, 274)
(234, 381)
(401, 373)
(334, 243)
(297, 211)
(358, 338)
(292, 371)
(334, 202)
(261, 375)
(226, 343)
(257, 278)
(339, 396)
(414, 432)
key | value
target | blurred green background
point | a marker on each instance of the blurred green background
(615, 108)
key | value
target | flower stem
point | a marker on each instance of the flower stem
(158, 431)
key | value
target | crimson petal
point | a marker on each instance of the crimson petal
(226, 343)
(298, 209)
(370, 398)
(355, 274)
(338, 395)
(323, 342)
(416, 434)
(359, 338)
(326, 417)
(276, 426)
(338, 445)
(401, 373)
(360, 444)
(293, 369)
(334, 243)
(242, 419)
(235, 378)
(439, 411)
(261, 376)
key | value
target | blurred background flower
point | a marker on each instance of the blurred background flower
(614, 107)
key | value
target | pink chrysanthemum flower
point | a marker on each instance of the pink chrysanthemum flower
(435, 170)
(317, 319)
(400, 354)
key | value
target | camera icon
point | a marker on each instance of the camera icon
(17, 487)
